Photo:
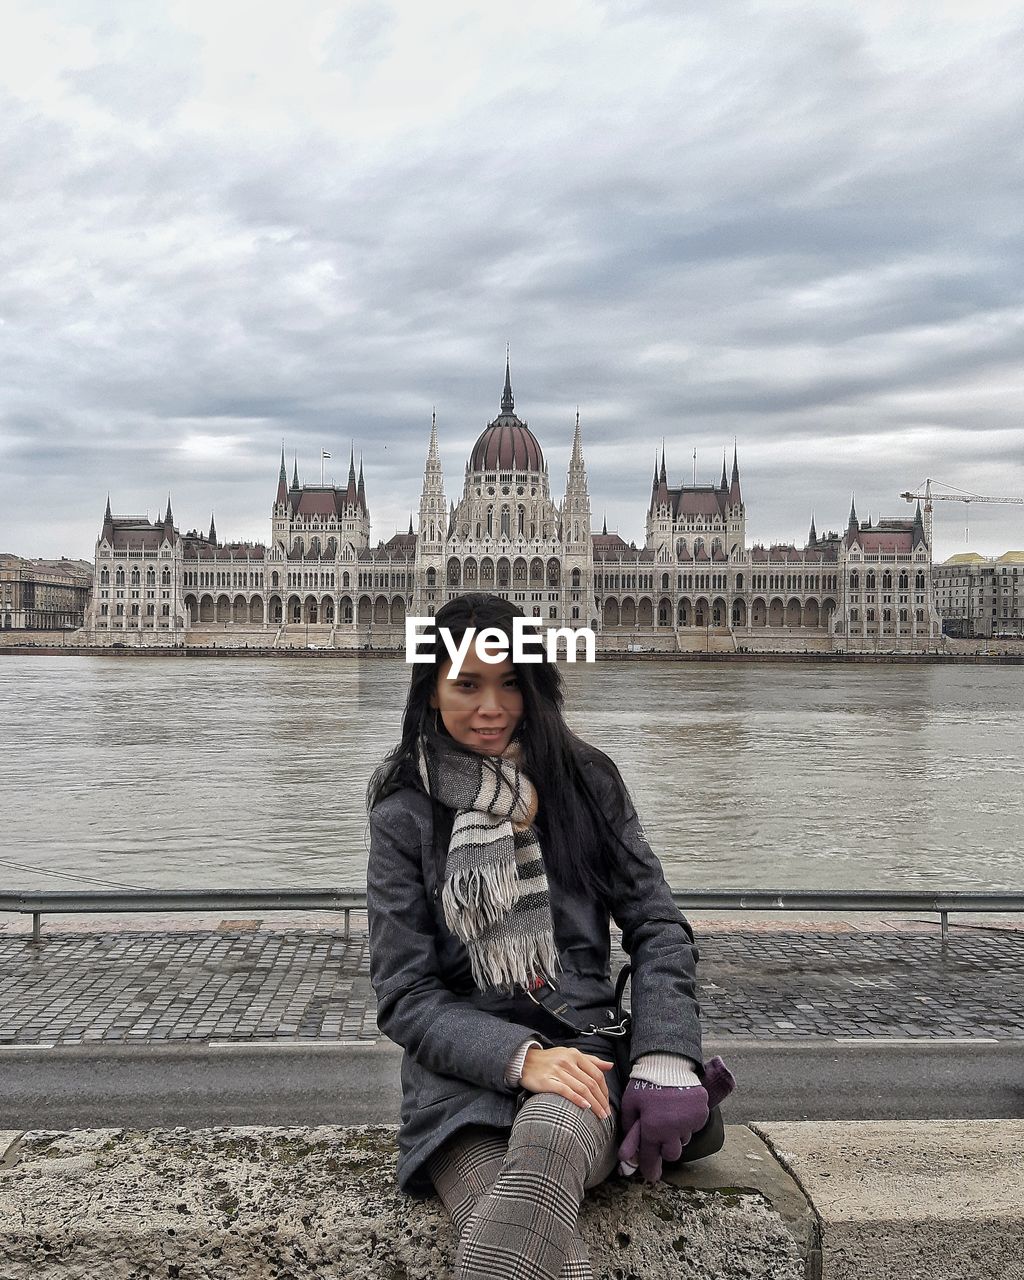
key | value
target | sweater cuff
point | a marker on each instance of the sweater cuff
(670, 1069)
(514, 1070)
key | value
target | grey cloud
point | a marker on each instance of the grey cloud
(794, 195)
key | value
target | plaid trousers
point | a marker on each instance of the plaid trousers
(514, 1198)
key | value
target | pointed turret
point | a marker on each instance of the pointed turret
(918, 526)
(576, 459)
(295, 474)
(604, 525)
(433, 452)
(734, 484)
(724, 483)
(108, 524)
(410, 523)
(661, 497)
(213, 532)
(854, 524)
(282, 481)
(168, 517)
(361, 488)
(351, 489)
(812, 537)
(508, 403)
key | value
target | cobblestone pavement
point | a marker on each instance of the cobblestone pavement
(250, 984)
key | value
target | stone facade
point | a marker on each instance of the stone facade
(43, 595)
(695, 584)
(979, 598)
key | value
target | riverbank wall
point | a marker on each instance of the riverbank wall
(766, 657)
(929, 1200)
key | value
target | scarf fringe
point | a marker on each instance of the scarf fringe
(510, 964)
(474, 900)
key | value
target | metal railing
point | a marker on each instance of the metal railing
(348, 900)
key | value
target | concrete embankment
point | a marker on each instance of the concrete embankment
(782, 1202)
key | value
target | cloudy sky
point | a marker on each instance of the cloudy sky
(793, 225)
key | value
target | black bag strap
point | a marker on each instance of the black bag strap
(552, 1001)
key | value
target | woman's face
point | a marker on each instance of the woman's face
(483, 707)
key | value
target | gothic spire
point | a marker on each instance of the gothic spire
(213, 531)
(508, 403)
(106, 515)
(360, 487)
(724, 484)
(576, 461)
(410, 522)
(854, 523)
(604, 524)
(433, 453)
(295, 474)
(812, 537)
(734, 486)
(168, 518)
(282, 479)
(663, 478)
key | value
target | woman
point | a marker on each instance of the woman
(500, 842)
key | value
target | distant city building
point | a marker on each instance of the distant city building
(695, 584)
(43, 595)
(980, 598)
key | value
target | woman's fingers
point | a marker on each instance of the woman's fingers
(571, 1074)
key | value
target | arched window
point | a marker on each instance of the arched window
(887, 581)
(870, 582)
(680, 547)
(135, 577)
(504, 522)
(739, 582)
(431, 577)
(521, 521)
(904, 580)
(490, 521)
(104, 577)
(119, 577)
(576, 579)
(919, 581)
(165, 577)
(150, 577)
(855, 581)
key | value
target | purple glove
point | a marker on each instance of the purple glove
(659, 1120)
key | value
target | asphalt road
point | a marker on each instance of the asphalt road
(201, 1085)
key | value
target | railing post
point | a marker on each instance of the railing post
(37, 926)
(348, 915)
(944, 923)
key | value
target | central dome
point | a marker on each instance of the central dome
(507, 444)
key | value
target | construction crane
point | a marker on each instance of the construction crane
(958, 495)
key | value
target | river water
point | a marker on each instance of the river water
(164, 772)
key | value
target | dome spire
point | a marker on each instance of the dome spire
(508, 403)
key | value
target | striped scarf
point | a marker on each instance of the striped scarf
(495, 896)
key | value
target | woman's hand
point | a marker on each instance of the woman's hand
(580, 1077)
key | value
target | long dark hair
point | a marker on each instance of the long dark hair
(577, 835)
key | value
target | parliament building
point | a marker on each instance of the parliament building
(694, 585)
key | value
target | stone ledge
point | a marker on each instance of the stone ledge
(285, 1203)
(918, 1200)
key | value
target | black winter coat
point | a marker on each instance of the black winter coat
(458, 1040)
